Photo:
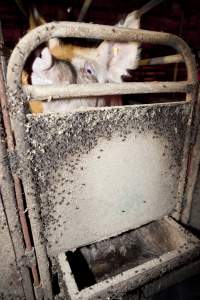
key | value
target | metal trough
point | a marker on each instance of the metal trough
(94, 174)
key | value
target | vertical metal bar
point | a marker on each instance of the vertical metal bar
(84, 10)
(180, 34)
(2, 58)
(32, 205)
(9, 203)
(193, 163)
(17, 183)
(148, 6)
(8, 191)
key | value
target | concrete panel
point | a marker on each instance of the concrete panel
(100, 172)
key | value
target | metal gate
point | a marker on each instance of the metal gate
(96, 173)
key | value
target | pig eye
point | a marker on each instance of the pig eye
(89, 69)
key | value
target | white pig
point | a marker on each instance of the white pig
(62, 64)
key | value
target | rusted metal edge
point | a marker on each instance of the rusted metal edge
(41, 92)
(9, 203)
(193, 164)
(162, 60)
(82, 30)
(191, 159)
(33, 213)
(7, 184)
(17, 183)
(19, 193)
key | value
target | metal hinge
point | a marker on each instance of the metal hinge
(29, 258)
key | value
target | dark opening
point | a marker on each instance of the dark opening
(80, 269)
(55, 284)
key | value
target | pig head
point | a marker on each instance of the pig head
(62, 64)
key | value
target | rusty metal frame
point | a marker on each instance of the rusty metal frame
(7, 192)
(16, 180)
(15, 195)
(19, 96)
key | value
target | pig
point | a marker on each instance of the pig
(47, 71)
(63, 64)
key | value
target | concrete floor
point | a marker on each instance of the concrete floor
(187, 290)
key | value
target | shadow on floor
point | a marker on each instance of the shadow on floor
(186, 290)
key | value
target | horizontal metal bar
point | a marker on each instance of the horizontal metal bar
(162, 60)
(96, 89)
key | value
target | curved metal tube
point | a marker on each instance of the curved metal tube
(81, 30)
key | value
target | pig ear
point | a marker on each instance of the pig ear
(102, 58)
(132, 20)
(44, 62)
(123, 56)
(35, 19)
